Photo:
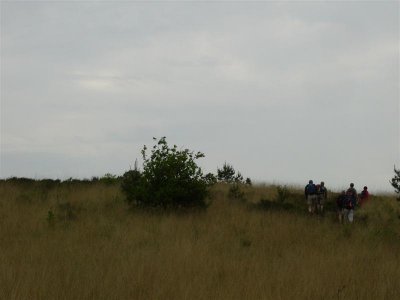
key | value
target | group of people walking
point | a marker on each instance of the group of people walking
(316, 195)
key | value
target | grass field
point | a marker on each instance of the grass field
(81, 241)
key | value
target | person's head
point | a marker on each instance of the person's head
(343, 192)
(310, 181)
(351, 184)
(365, 188)
(318, 186)
(322, 183)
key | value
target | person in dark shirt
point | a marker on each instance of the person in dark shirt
(350, 203)
(340, 205)
(322, 195)
(364, 196)
(310, 192)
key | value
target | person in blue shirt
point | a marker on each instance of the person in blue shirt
(310, 192)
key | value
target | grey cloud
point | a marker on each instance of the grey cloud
(284, 91)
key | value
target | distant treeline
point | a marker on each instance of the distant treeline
(107, 179)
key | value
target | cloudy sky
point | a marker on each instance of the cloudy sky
(286, 92)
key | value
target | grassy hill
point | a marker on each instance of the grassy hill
(79, 240)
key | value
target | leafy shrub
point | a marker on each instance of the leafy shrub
(227, 174)
(211, 179)
(170, 178)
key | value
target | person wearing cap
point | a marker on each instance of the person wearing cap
(364, 196)
(310, 192)
(322, 195)
(350, 203)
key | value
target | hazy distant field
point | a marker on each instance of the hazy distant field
(81, 241)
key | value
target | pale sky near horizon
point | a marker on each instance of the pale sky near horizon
(284, 91)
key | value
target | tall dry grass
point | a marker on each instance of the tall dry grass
(83, 242)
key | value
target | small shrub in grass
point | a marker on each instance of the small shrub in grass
(236, 193)
(170, 178)
(283, 193)
(50, 218)
(228, 175)
(248, 181)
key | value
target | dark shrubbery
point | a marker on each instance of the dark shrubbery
(20, 180)
(283, 193)
(32, 183)
(170, 178)
(395, 182)
(109, 179)
(266, 204)
(132, 186)
(227, 174)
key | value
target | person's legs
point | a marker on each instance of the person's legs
(351, 215)
(311, 203)
(321, 205)
(314, 203)
(345, 215)
(340, 215)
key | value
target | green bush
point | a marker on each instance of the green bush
(227, 174)
(170, 178)
(132, 185)
(108, 179)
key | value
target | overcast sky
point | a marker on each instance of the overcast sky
(285, 92)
